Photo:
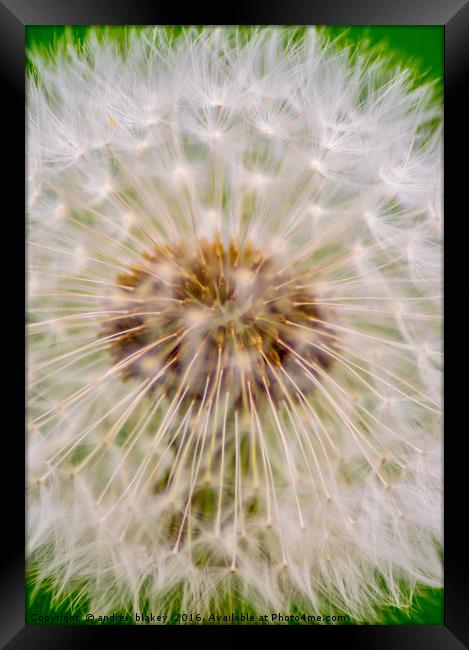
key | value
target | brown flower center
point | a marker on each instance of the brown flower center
(212, 318)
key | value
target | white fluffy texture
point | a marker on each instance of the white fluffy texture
(311, 155)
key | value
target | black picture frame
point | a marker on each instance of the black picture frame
(15, 15)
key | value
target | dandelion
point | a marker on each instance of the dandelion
(234, 353)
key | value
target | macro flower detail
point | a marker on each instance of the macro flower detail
(227, 319)
(234, 360)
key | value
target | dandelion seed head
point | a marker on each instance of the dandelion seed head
(234, 358)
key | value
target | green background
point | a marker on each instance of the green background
(420, 46)
(417, 47)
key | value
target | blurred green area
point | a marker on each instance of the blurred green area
(426, 609)
(419, 47)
